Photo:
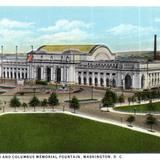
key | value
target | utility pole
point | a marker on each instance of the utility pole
(31, 63)
(69, 94)
(2, 64)
(16, 64)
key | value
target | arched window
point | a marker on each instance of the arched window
(22, 75)
(90, 81)
(114, 83)
(128, 82)
(79, 80)
(101, 82)
(48, 74)
(26, 75)
(96, 82)
(58, 74)
(7, 74)
(107, 82)
(39, 73)
(15, 75)
(18, 75)
(143, 81)
(11, 75)
(84, 81)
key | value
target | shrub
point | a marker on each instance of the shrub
(121, 98)
(41, 82)
(15, 102)
(34, 102)
(74, 103)
(130, 119)
(109, 98)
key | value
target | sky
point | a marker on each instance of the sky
(120, 28)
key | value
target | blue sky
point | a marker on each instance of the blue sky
(120, 28)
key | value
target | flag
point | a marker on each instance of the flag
(29, 57)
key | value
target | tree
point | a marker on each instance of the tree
(34, 102)
(109, 98)
(139, 96)
(150, 120)
(130, 119)
(53, 100)
(44, 103)
(121, 98)
(24, 105)
(133, 98)
(74, 103)
(129, 100)
(15, 102)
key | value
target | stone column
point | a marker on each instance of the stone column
(9, 73)
(64, 74)
(62, 70)
(87, 78)
(93, 77)
(104, 79)
(5, 73)
(21, 73)
(82, 82)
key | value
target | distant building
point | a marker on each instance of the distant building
(92, 65)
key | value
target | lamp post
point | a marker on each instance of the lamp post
(63, 107)
(4, 106)
(56, 87)
(121, 120)
(92, 89)
(134, 111)
(31, 67)
(69, 94)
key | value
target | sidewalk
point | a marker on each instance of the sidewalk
(82, 115)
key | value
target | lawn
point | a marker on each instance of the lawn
(142, 108)
(54, 133)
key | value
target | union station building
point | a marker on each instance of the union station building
(92, 65)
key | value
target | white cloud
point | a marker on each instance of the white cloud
(74, 35)
(129, 29)
(65, 25)
(24, 34)
(157, 19)
(7, 23)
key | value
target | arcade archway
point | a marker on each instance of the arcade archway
(128, 82)
(39, 73)
(58, 74)
(48, 74)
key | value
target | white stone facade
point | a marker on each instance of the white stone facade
(99, 68)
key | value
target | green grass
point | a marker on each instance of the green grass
(61, 133)
(142, 108)
(86, 100)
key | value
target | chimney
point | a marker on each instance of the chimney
(155, 47)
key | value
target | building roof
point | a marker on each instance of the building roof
(62, 48)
